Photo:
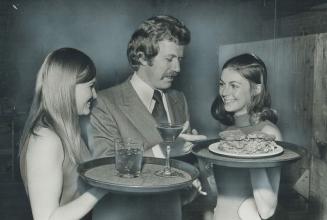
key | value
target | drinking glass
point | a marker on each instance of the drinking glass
(169, 132)
(128, 157)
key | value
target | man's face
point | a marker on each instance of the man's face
(165, 66)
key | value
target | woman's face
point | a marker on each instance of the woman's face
(234, 90)
(85, 93)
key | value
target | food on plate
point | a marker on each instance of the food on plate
(232, 135)
(261, 135)
(238, 143)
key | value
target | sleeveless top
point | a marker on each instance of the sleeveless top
(72, 185)
(242, 123)
(234, 184)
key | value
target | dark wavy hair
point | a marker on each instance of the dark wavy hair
(252, 68)
(144, 41)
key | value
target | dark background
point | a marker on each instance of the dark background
(102, 28)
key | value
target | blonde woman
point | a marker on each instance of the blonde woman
(51, 146)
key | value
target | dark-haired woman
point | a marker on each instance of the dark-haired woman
(244, 103)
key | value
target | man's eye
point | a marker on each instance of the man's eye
(234, 86)
(169, 59)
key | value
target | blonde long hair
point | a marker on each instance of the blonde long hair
(54, 104)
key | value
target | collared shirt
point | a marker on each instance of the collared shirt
(145, 93)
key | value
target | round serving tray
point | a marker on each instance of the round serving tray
(102, 173)
(288, 155)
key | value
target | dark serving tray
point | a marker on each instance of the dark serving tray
(289, 155)
(102, 173)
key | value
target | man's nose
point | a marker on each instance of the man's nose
(177, 66)
(94, 94)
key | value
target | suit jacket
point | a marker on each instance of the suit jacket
(120, 113)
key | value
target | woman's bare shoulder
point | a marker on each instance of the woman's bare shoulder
(45, 143)
(271, 128)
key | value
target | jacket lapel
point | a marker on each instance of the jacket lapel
(176, 112)
(139, 116)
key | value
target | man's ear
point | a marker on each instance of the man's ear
(142, 59)
(258, 89)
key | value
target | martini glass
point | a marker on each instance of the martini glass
(169, 132)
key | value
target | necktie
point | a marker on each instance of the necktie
(159, 112)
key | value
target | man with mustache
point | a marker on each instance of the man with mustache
(126, 111)
(130, 110)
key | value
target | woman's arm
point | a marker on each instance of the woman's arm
(265, 182)
(45, 179)
(272, 130)
(79, 207)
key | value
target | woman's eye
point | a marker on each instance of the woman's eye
(169, 59)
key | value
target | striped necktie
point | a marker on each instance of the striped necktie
(159, 112)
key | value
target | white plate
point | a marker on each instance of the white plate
(214, 149)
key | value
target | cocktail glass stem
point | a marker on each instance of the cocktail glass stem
(168, 133)
(167, 169)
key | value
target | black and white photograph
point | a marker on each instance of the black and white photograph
(163, 109)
